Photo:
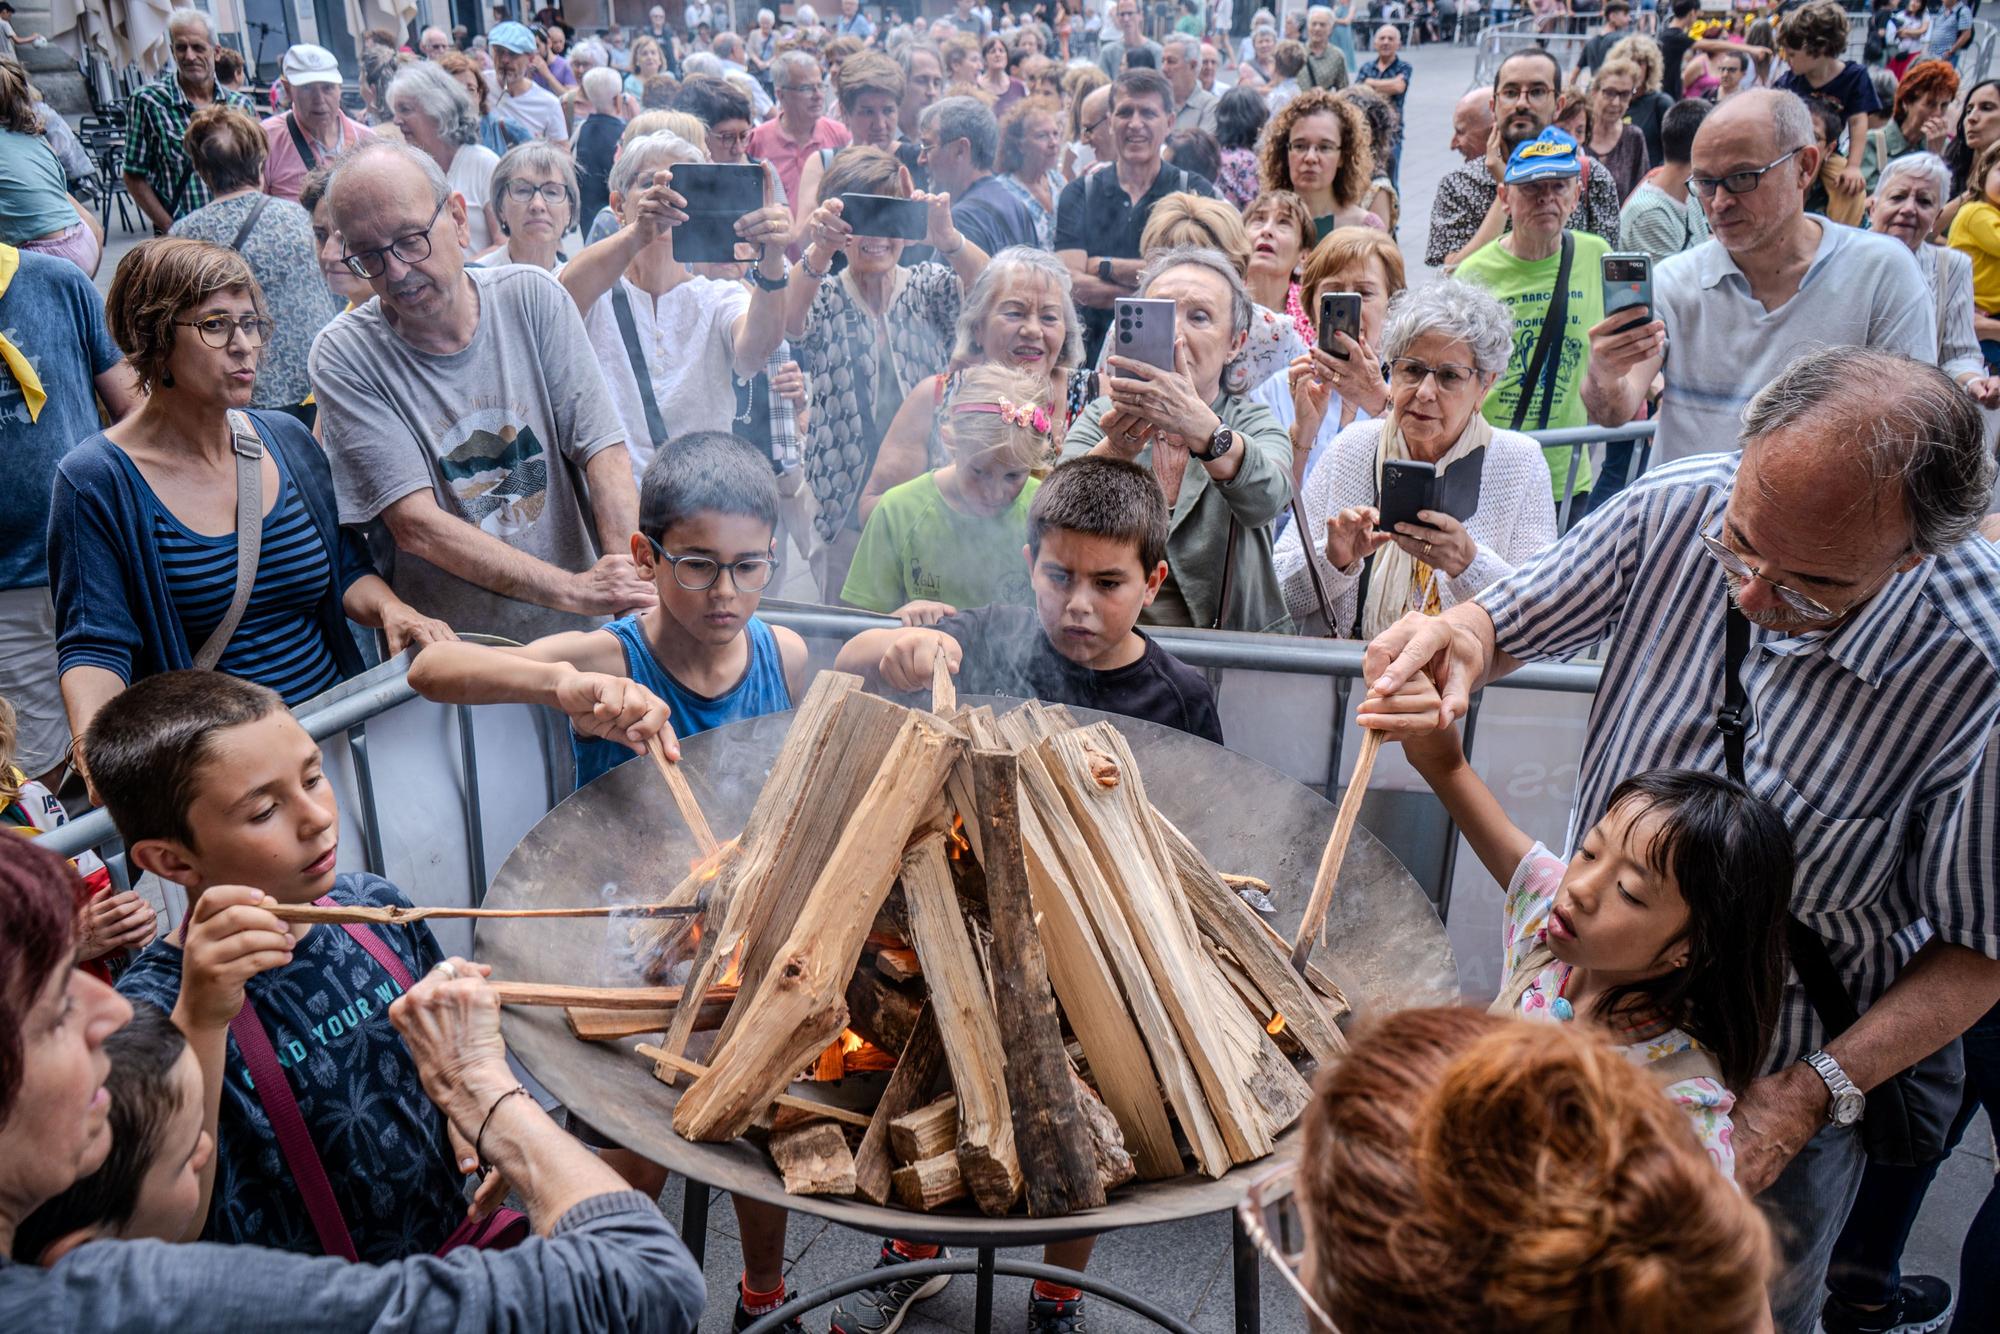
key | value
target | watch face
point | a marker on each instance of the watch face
(1848, 1106)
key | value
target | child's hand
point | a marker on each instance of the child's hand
(1412, 710)
(616, 708)
(111, 922)
(907, 664)
(230, 939)
(921, 612)
(1852, 182)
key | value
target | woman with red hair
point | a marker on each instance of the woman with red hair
(1917, 121)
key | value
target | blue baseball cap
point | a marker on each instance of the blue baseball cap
(1548, 156)
(513, 37)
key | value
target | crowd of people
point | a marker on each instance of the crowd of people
(1035, 328)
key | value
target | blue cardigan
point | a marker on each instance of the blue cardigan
(113, 608)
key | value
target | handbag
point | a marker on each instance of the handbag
(500, 1230)
(1907, 1121)
(249, 525)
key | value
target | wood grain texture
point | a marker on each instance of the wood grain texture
(927, 1131)
(1314, 921)
(814, 1160)
(683, 795)
(909, 1085)
(789, 1101)
(930, 1184)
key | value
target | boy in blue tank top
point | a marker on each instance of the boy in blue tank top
(708, 507)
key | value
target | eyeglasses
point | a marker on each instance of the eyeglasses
(552, 192)
(1738, 568)
(1539, 92)
(1269, 1214)
(798, 87)
(217, 330)
(697, 574)
(729, 141)
(1411, 373)
(1737, 182)
(413, 248)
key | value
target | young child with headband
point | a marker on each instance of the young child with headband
(951, 539)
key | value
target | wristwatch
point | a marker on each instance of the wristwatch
(1218, 445)
(1104, 271)
(777, 284)
(1848, 1101)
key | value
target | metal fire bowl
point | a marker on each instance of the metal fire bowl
(620, 840)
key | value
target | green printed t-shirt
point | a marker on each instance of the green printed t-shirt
(1525, 287)
(917, 547)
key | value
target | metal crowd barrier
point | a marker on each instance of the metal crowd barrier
(1497, 41)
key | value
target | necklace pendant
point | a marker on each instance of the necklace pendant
(1562, 1009)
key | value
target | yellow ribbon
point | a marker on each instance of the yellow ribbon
(15, 360)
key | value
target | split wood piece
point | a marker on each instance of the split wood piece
(1225, 918)
(1049, 1130)
(683, 795)
(1325, 987)
(591, 1023)
(915, 1075)
(1063, 881)
(602, 998)
(881, 1012)
(659, 945)
(1313, 924)
(944, 691)
(814, 1159)
(931, 1183)
(966, 1023)
(926, 1132)
(1251, 1090)
(1240, 882)
(799, 1007)
(783, 1101)
(395, 914)
(1107, 1145)
(898, 965)
(779, 868)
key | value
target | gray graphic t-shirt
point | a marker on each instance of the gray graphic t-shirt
(498, 432)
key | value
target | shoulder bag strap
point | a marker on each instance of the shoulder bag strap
(300, 142)
(249, 535)
(274, 1092)
(249, 222)
(378, 949)
(1312, 567)
(628, 329)
(1810, 960)
(1545, 365)
(1229, 570)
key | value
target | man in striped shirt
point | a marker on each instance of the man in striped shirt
(1845, 530)
(158, 174)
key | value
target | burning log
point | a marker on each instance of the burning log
(814, 1159)
(898, 965)
(881, 1012)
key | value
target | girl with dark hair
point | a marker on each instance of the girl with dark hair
(1978, 126)
(1666, 927)
(1239, 118)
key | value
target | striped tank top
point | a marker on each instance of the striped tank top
(762, 690)
(278, 642)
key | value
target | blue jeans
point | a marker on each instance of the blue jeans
(1867, 1260)
(1616, 472)
(1807, 1205)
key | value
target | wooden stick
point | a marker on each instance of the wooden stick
(1314, 922)
(683, 795)
(944, 692)
(393, 915)
(602, 998)
(593, 1023)
(916, 1072)
(683, 1065)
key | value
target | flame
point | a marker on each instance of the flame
(960, 844)
(707, 868)
(733, 974)
(1276, 1026)
(851, 1042)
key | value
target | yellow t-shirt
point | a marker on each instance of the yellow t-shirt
(1976, 231)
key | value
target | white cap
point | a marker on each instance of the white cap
(306, 63)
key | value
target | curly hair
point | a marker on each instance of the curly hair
(1926, 78)
(1643, 51)
(1817, 29)
(1014, 131)
(1357, 159)
(156, 283)
(1411, 1173)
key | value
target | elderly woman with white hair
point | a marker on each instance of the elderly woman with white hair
(1909, 194)
(535, 196)
(1446, 345)
(1222, 461)
(437, 115)
(672, 342)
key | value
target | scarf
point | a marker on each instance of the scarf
(1400, 582)
(12, 357)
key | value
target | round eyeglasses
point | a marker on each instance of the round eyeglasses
(217, 330)
(697, 574)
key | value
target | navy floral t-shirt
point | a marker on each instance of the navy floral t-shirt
(382, 1142)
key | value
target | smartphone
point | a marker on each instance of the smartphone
(1144, 330)
(718, 194)
(1628, 285)
(886, 215)
(1339, 312)
(1406, 488)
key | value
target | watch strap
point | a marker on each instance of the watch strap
(1838, 1086)
(777, 284)
(1218, 444)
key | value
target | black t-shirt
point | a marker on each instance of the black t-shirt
(1675, 43)
(1006, 653)
(1096, 216)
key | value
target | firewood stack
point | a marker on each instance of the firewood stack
(1060, 976)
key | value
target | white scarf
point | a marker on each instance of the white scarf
(1393, 589)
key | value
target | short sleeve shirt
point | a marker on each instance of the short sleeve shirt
(916, 546)
(537, 111)
(158, 119)
(285, 170)
(1096, 216)
(1525, 925)
(1851, 90)
(688, 340)
(381, 1140)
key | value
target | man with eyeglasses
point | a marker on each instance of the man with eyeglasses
(159, 175)
(1468, 212)
(464, 410)
(522, 100)
(1844, 529)
(1772, 282)
(798, 130)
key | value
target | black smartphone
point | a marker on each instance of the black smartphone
(1406, 489)
(1628, 285)
(1143, 330)
(1339, 312)
(718, 194)
(886, 215)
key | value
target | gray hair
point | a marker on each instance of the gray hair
(1791, 122)
(1319, 12)
(1907, 422)
(1201, 257)
(1186, 43)
(440, 97)
(187, 17)
(1929, 166)
(702, 63)
(352, 162)
(908, 54)
(592, 50)
(649, 153)
(1456, 310)
(790, 60)
(1003, 268)
(542, 158)
(766, 16)
(965, 118)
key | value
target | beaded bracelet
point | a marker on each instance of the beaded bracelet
(479, 1140)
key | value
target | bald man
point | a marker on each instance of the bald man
(435, 43)
(1773, 282)
(466, 411)
(1472, 124)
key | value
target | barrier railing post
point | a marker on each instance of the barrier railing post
(475, 831)
(370, 817)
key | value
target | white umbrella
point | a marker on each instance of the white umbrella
(392, 15)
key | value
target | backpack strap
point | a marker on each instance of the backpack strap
(1544, 366)
(249, 222)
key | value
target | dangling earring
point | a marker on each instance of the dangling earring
(166, 379)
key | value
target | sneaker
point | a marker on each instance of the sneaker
(1048, 1316)
(880, 1309)
(744, 1319)
(1923, 1306)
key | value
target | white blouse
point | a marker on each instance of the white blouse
(1516, 518)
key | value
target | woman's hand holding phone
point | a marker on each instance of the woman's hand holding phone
(1352, 535)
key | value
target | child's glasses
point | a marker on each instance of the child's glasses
(1270, 1217)
(698, 574)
